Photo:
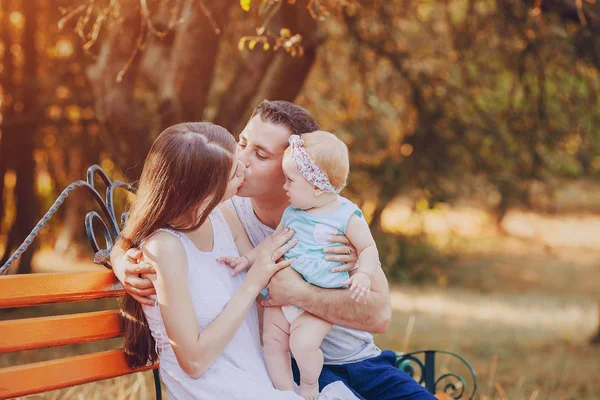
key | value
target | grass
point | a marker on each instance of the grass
(519, 308)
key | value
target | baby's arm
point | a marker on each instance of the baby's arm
(246, 259)
(359, 234)
(247, 252)
(245, 249)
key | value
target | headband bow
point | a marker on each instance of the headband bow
(307, 166)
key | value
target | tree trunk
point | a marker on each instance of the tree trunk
(3, 168)
(250, 73)
(285, 75)
(193, 54)
(122, 119)
(375, 223)
(243, 88)
(24, 164)
(288, 73)
(154, 59)
(73, 205)
(6, 134)
(596, 338)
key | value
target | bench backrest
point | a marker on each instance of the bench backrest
(35, 333)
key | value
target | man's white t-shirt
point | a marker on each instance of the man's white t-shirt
(341, 345)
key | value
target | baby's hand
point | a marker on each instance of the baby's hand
(360, 285)
(238, 264)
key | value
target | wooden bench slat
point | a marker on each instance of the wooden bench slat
(44, 376)
(34, 333)
(36, 289)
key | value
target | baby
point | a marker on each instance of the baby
(316, 167)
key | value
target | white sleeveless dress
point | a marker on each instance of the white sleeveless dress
(240, 372)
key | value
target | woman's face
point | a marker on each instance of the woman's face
(236, 178)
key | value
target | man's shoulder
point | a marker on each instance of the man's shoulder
(241, 204)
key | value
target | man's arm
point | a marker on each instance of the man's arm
(133, 274)
(334, 305)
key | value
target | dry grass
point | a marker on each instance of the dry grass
(518, 308)
(508, 359)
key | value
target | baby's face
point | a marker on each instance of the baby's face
(300, 191)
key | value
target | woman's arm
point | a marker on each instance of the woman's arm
(196, 350)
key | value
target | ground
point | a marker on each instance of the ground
(519, 307)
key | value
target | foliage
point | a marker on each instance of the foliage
(440, 95)
(437, 100)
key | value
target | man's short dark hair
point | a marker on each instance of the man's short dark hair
(296, 119)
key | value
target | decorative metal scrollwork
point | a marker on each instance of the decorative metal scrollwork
(455, 385)
(107, 218)
(452, 388)
(405, 363)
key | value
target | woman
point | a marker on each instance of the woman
(204, 325)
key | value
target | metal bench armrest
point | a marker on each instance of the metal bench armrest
(423, 364)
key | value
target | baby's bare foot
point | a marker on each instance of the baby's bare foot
(309, 392)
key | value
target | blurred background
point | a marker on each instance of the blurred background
(473, 132)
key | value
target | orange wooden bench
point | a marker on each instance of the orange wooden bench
(35, 333)
(40, 332)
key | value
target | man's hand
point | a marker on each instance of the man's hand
(284, 286)
(346, 254)
(131, 271)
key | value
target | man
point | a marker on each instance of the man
(349, 352)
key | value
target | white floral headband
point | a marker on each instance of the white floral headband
(307, 167)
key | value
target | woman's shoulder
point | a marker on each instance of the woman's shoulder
(162, 244)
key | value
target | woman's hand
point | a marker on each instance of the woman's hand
(270, 251)
(346, 254)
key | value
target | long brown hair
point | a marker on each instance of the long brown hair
(187, 165)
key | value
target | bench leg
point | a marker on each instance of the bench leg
(157, 384)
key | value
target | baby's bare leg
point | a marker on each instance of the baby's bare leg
(306, 334)
(276, 342)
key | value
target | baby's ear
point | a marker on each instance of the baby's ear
(317, 192)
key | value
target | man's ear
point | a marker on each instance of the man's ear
(317, 192)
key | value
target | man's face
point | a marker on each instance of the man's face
(261, 148)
